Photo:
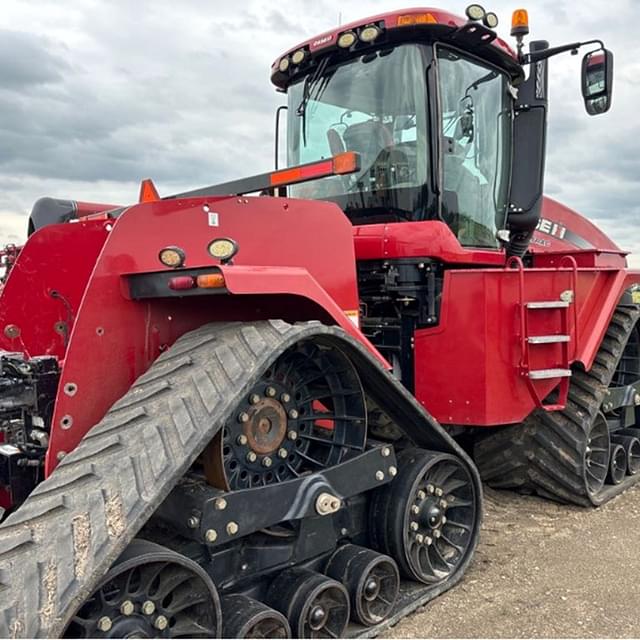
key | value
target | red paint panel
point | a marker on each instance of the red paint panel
(474, 354)
(302, 246)
(58, 258)
(429, 239)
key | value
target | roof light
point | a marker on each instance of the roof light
(491, 20)
(520, 23)
(210, 281)
(370, 33)
(181, 283)
(173, 257)
(298, 56)
(223, 249)
(416, 19)
(347, 39)
(475, 12)
(284, 64)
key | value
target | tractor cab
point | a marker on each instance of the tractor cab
(447, 125)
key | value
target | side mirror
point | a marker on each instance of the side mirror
(597, 81)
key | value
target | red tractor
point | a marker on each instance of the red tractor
(255, 416)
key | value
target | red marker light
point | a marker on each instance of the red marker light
(179, 283)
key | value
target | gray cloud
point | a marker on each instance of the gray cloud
(96, 95)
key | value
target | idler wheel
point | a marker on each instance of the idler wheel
(244, 617)
(617, 464)
(150, 592)
(597, 455)
(632, 449)
(371, 578)
(315, 605)
(426, 518)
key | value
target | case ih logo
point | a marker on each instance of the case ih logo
(551, 228)
(320, 41)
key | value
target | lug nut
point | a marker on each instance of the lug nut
(444, 504)
(127, 608)
(414, 526)
(419, 538)
(436, 533)
(386, 452)
(439, 492)
(251, 456)
(293, 414)
(282, 453)
(393, 472)
(270, 392)
(148, 607)
(211, 535)
(444, 520)
(292, 435)
(379, 475)
(243, 417)
(415, 509)
(193, 522)
(267, 462)
(232, 528)
(254, 398)
(285, 397)
(242, 440)
(161, 623)
(430, 488)
(220, 504)
(104, 624)
(428, 541)
(421, 495)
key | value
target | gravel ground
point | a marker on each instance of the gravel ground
(546, 571)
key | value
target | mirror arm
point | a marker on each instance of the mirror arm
(537, 56)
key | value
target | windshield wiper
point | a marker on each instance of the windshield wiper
(310, 84)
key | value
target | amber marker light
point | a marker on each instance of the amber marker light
(210, 281)
(416, 19)
(173, 257)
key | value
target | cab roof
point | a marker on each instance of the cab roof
(404, 25)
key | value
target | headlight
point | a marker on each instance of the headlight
(298, 56)
(370, 33)
(223, 249)
(347, 39)
(284, 64)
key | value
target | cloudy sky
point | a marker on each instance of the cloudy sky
(97, 94)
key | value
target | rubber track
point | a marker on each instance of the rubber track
(545, 454)
(56, 547)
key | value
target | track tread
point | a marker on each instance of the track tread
(544, 454)
(161, 424)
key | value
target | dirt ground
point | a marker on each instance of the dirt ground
(544, 571)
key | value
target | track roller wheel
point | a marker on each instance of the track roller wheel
(617, 464)
(372, 580)
(597, 455)
(305, 414)
(426, 518)
(150, 592)
(632, 449)
(244, 617)
(316, 606)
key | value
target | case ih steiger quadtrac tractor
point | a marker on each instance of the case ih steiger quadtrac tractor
(250, 416)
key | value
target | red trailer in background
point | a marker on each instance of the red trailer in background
(255, 415)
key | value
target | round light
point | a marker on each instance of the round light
(172, 257)
(475, 12)
(491, 20)
(223, 249)
(370, 33)
(284, 65)
(298, 56)
(347, 39)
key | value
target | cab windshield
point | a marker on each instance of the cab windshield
(375, 105)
